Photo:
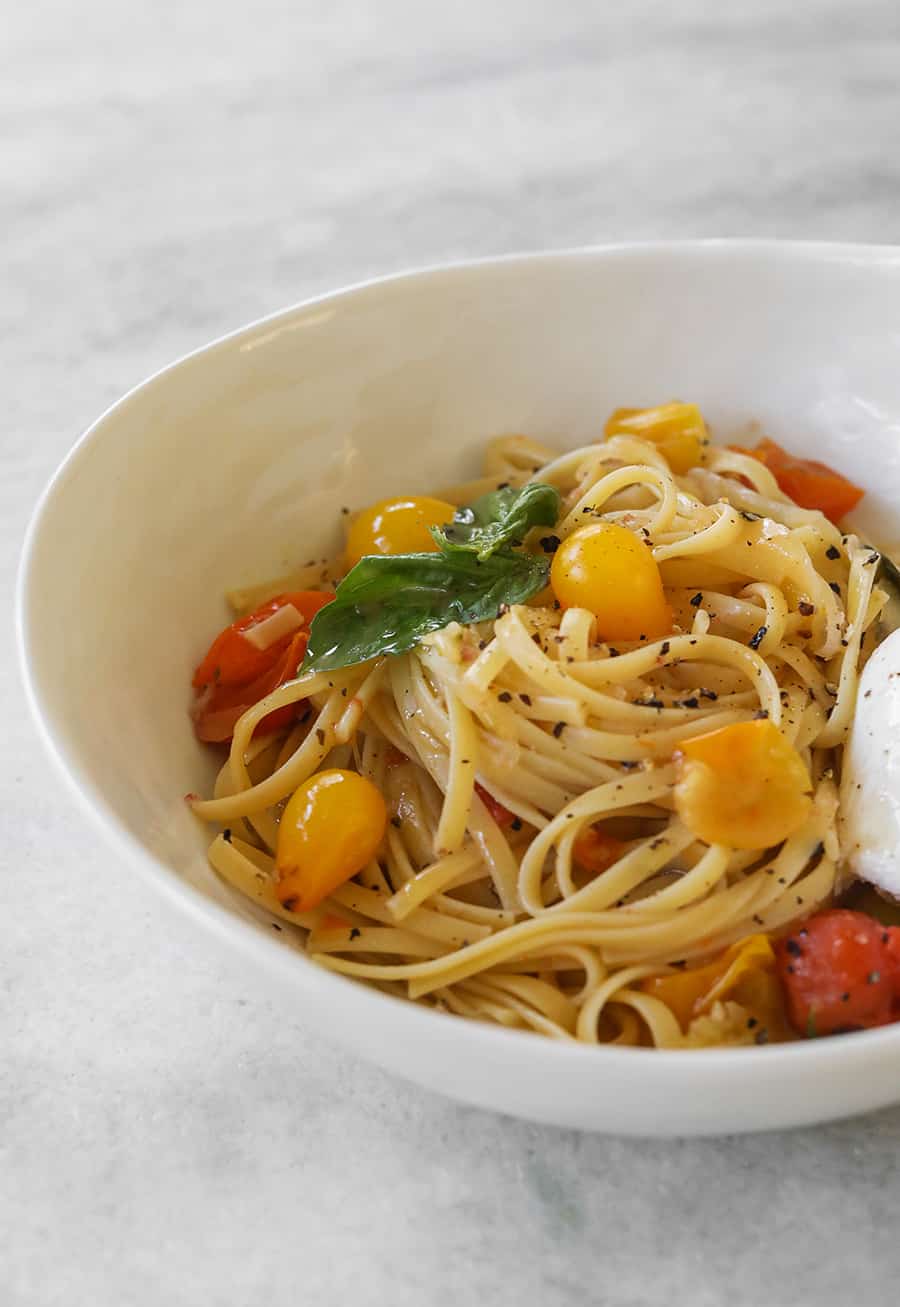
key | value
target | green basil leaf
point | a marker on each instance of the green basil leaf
(387, 603)
(503, 517)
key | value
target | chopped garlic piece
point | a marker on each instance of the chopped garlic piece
(284, 621)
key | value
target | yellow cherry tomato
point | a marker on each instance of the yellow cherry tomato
(744, 786)
(609, 570)
(744, 973)
(677, 430)
(330, 829)
(397, 526)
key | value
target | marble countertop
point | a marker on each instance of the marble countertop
(169, 172)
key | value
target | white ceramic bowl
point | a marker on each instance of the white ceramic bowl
(231, 465)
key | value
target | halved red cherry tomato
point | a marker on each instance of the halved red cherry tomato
(809, 483)
(218, 708)
(234, 675)
(233, 660)
(840, 971)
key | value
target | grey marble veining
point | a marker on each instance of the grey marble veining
(168, 172)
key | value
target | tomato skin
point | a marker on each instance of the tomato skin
(678, 431)
(218, 710)
(397, 526)
(809, 483)
(742, 785)
(330, 829)
(234, 674)
(596, 851)
(840, 971)
(501, 815)
(233, 660)
(745, 973)
(609, 570)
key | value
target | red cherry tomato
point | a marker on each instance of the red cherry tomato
(840, 971)
(234, 675)
(809, 483)
(233, 660)
(501, 815)
(596, 851)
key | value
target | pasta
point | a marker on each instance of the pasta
(544, 865)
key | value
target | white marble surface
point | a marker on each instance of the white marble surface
(167, 172)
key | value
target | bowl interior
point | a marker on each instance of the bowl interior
(232, 465)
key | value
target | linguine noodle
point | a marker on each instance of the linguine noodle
(772, 605)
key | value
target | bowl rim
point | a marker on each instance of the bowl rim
(415, 1020)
